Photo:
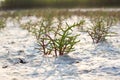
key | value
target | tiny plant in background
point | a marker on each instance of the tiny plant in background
(2, 23)
(41, 31)
(100, 28)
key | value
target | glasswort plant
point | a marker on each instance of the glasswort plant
(100, 28)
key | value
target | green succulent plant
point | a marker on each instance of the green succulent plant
(54, 40)
(100, 28)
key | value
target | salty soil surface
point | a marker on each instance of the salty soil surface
(19, 60)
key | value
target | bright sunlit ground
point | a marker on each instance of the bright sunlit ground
(88, 62)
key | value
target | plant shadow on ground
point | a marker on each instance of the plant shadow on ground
(105, 49)
(56, 68)
(107, 52)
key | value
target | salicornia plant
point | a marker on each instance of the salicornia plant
(100, 28)
(64, 41)
(41, 31)
(57, 40)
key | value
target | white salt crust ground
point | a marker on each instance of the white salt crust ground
(88, 62)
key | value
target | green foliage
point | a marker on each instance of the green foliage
(18, 3)
(80, 26)
(100, 28)
(2, 23)
(65, 41)
(59, 3)
(57, 40)
(41, 31)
